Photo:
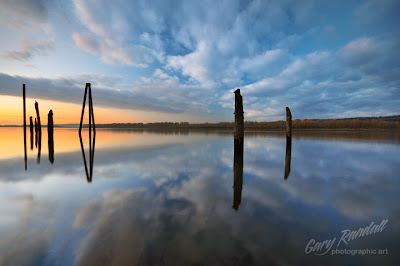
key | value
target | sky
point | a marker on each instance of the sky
(150, 61)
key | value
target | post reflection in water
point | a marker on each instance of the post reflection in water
(237, 173)
(51, 148)
(31, 140)
(39, 147)
(92, 141)
(288, 157)
(36, 130)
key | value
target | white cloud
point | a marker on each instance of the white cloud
(359, 51)
(29, 49)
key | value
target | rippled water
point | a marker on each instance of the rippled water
(172, 198)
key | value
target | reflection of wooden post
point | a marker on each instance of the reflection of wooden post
(237, 173)
(288, 122)
(39, 148)
(31, 125)
(36, 132)
(31, 130)
(288, 157)
(23, 96)
(239, 120)
(50, 134)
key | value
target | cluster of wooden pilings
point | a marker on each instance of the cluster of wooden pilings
(239, 144)
(38, 131)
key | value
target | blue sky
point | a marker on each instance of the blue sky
(183, 59)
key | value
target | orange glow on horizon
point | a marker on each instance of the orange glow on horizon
(11, 112)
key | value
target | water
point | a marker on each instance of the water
(167, 198)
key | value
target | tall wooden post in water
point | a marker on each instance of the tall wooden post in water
(23, 96)
(239, 120)
(39, 126)
(50, 124)
(288, 122)
(39, 130)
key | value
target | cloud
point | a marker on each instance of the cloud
(359, 51)
(152, 94)
(273, 51)
(29, 244)
(116, 42)
(29, 49)
(25, 12)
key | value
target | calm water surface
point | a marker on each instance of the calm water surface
(170, 198)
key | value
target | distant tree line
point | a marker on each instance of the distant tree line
(356, 123)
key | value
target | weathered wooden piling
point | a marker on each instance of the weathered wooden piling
(50, 135)
(83, 108)
(239, 119)
(39, 126)
(288, 122)
(24, 110)
(50, 124)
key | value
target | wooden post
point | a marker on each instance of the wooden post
(23, 96)
(31, 130)
(50, 124)
(239, 120)
(39, 127)
(50, 135)
(83, 107)
(288, 122)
